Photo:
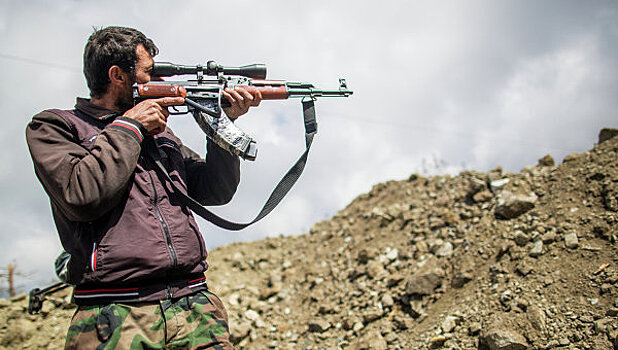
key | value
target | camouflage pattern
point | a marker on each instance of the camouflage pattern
(226, 134)
(198, 321)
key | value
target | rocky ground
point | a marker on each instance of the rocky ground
(480, 260)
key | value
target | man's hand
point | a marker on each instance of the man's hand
(153, 113)
(241, 100)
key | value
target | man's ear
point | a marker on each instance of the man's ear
(117, 76)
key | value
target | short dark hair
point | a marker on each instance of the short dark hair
(111, 46)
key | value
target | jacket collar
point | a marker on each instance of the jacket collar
(85, 106)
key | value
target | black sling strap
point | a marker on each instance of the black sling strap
(282, 188)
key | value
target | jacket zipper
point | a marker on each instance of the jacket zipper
(163, 224)
(93, 257)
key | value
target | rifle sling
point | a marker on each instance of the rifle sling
(282, 188)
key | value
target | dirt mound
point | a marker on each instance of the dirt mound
(480, 260)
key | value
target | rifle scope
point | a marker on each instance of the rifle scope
(166, 69)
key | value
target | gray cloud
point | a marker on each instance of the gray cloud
(474, 84)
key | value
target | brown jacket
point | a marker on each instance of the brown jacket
(129, 237)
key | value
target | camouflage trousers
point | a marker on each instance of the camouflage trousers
(198, 321)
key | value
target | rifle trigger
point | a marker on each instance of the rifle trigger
(173, 110)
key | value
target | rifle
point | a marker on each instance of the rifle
(38, 296)
(203, 100)
(203, 97)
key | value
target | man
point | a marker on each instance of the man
(137, 256)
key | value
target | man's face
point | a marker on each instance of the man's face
(143, 66)
(143, 70)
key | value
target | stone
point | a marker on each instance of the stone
(364, 255)
(392, 255)
(436, 341)
(612, 312)
(460, 279)
(537, 318)
(606, 288)
(422, 247)
(387, 301)
(474, 328)
(318, 326)
(501, 339)
(520, 238)
(506, 297)
(394, 279)
(537, 249)
(549, 237)
(547, 160)
(522, 304)
(475, 186)
(512, 205)
(449, 324)
(240, 332)
(348, 323)
(434, 244)
(376, 341)
(416, 308)
(607, 134)
(259, 323)
(372, 314)
(401, 323)
(252, 315)
(523, 268)
(370, 340)
(571, 157)
(426, 279)
(498, 184)
(483, 196)
(571, 241)
(234, 299)
(391, 338)
(326, 309)
(601, 325)
(375, 269)
(445, 249)
(268, 292)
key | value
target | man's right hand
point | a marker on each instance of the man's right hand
(152, 113)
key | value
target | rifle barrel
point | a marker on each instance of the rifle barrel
(311, 92)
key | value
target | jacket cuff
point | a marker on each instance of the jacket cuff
(130, 126)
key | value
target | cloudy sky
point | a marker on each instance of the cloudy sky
(439, 86)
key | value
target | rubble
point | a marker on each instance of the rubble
(511, 205)
(500, 339)
(424, 263)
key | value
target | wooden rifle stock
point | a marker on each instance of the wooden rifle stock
(270, 90)
(159, 90)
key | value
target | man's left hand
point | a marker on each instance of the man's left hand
(240, 100)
